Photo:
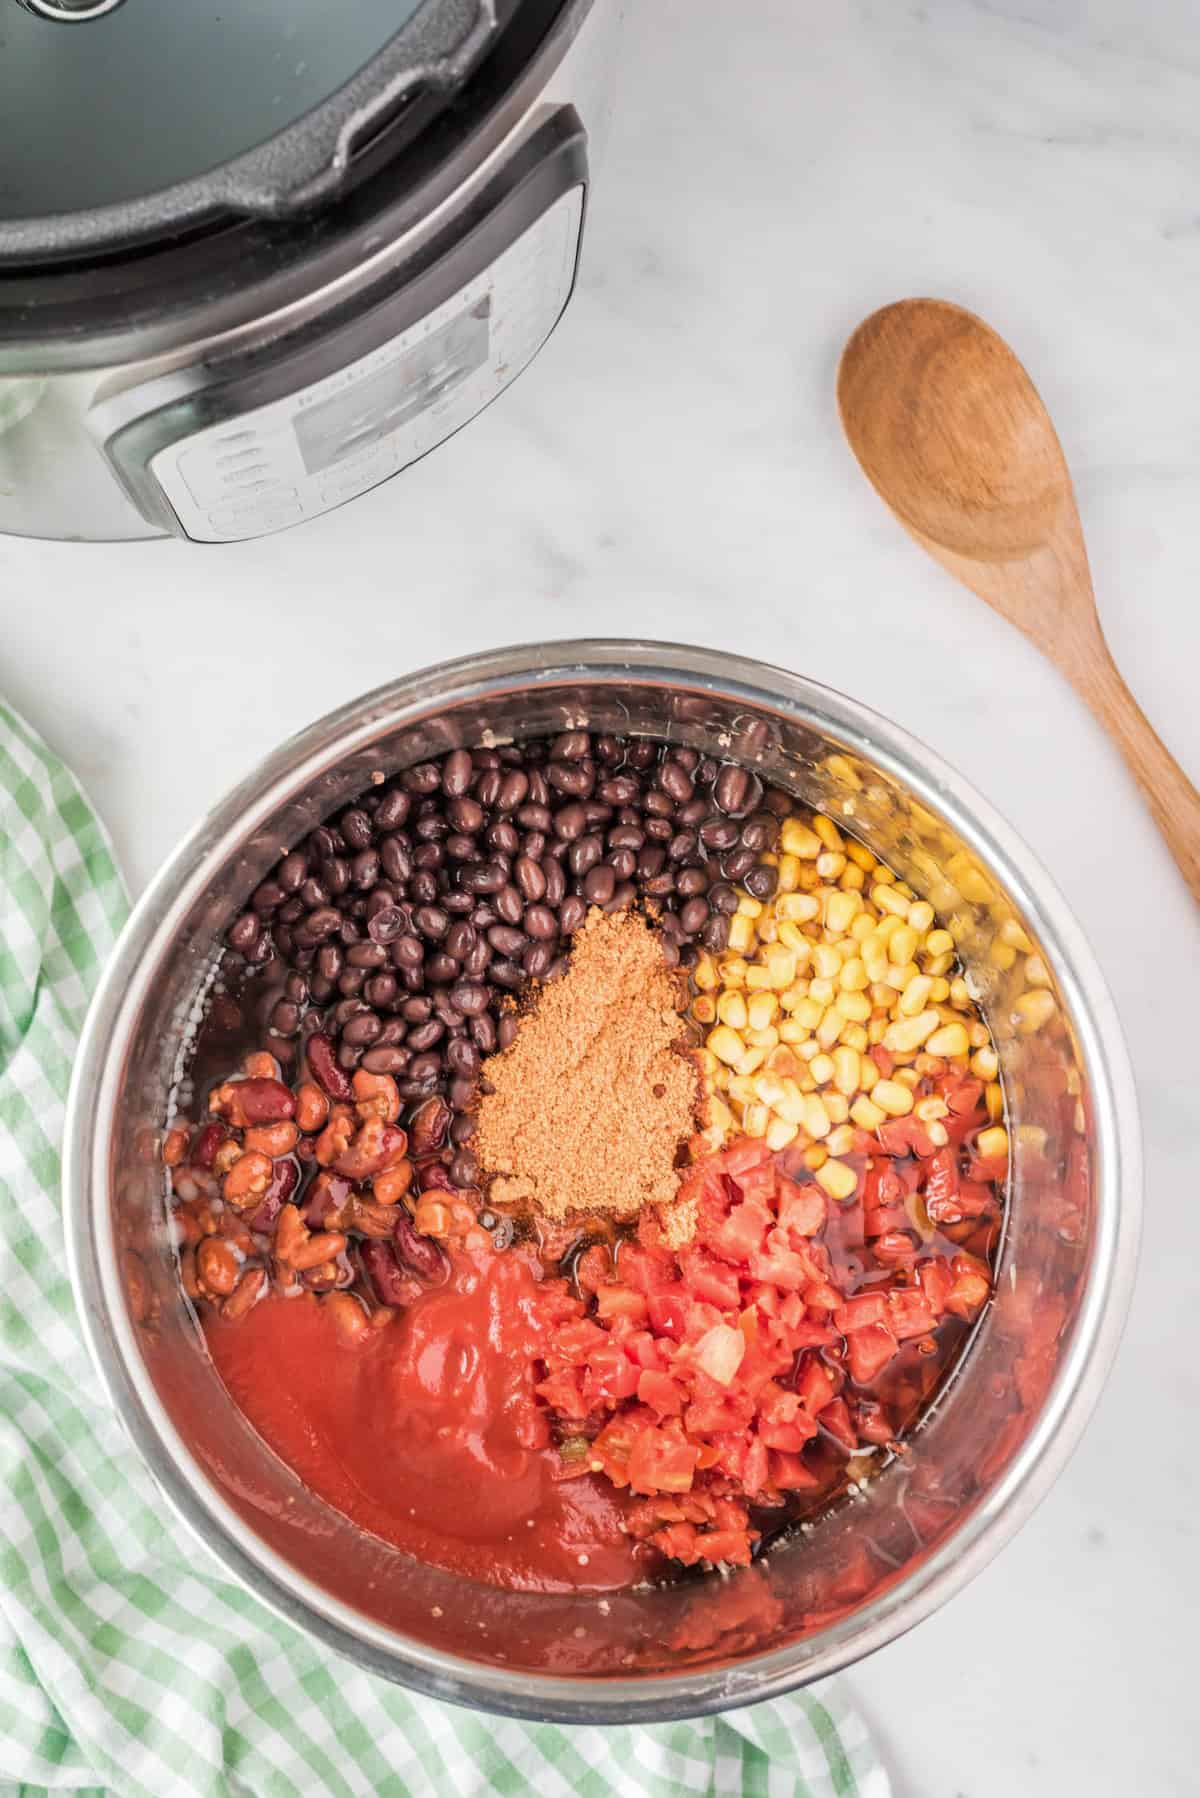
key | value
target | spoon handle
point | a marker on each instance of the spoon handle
(1173, 800)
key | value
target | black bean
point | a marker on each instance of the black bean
(380, 990)
(424, 1068)
(461, 939)
(440, 968)
(682, 845)
(431, 828)
(608, 749)
(556, 883)
(423, 886)
(715, 935)
(660, 830)
(529, 877)
(466, 815)
(571, 914)
(584, 854)
(533, 844)
(456, 772)
(462, 1056)
(507, 1030)
(506, 974)
(513, 790)
(537, 959)
(423, 1036)
(393, 809)
(719, 833)
(624, 896)
(689, 882)
(313, 893)
(350, 981)
(336, 875)
(460, 849)
(476, 959)
(534, 817)
(417, 1009)
(431, 921)
(738, 863)
(762, 881)
(469, 999)
(510, 906)
(506, 940)
(693, 914)
(323, 922)
(408, 952)
(290, 910)
(676, 782)
(487, 787)
(292, 870)
(722, 898)
(285, 1017)
(670, 949)
(396, 859)
(659, 805)
(243, 933)
(623, 863)
(641, 753)
(394, 1031)
(362, 1030)
(626, 836)
(423, 778)
(572, 778)
(693, 813)
(320, 989)
(618, 789)
(661, 885)
(503, 837)
(386, 1060)
(730, 790)
(296, 988)
(651, 861)
(484, 1033)
(348, 1056)
(367, 955)
(570, 821)
(355, 827)
(540, 922)
(462, 1129)
(758, 835)
(386, 925)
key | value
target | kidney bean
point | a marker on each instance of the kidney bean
(385, 1274)
(247, 1180)
(217, 1267)
(245, 1294)
(283, 1184)
(420, 1254)
(427, 1129)
(323, 1063)
(262, 1101)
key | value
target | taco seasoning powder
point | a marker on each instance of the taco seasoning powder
(594, 1101)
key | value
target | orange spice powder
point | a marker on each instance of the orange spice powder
(597, 1096)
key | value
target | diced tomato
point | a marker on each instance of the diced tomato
(710, 1279)
(645, 1269)
(870, 1349)
(883, 1059)
(593, 1267)
(779, 1266)
(660, 1392)
(909, 1313)
(741, 1234)
(802, 1209)
(895, 1248)
(576, 1340)
(731, 1547)
(746, 1153)
(822, 1295)
(563, 1392)
(621, 1301)
(961, 1095)
(883, 1218)
(610, 1377)
(789, 1473)
(971, 1287)
(644, 1348)
(659, 1462)
(936, 1283)
(864, 1308)
(905, 1136)
(679, 1542)
(669, 1309)
(836, 1421)
(814, 1385)
(713, 1415)
(793, 1308)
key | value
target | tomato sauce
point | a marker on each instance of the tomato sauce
(429, 1434)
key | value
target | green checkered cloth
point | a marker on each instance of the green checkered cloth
(129, 1662)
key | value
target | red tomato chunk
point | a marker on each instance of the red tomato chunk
(715, 1384)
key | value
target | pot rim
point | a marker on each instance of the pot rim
(93, 1263)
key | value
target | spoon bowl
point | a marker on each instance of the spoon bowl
(952, 434)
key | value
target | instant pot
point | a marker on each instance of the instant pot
(257, 258)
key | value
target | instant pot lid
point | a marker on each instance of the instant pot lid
(152, 118)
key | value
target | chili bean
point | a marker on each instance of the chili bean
(325, 1069)
(420, 1254)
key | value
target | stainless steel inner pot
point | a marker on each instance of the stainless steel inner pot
(989, 1448)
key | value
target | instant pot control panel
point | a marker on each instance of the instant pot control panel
(254, 444)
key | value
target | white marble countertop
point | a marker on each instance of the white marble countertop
(672, 466)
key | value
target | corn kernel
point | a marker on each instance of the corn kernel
(830, 1027)
(741, 932)
(798, 908)
(843, 771)
(780, 1133)
(994, 1096)
(1036, 971)
(960, 994)
(840, 1141)
(841, 910)
(707, 1062)
(816, 1118)
(883, 874)
(893, 1097)
(796, 839)
(939, 989)
(939, 964)
(889, 900)
(748, 906)
(852, 879)
(1034, 1009)
(733, 970)
(908, 1034)
(1001, 956)
(761, 1011)
(741, 1089)
(838, 1180)
(703, 1008)
(705, 974)
(920, 916)
(845, 1071)
(827, 830)
(907, 1077)
(781, 966)
(821, 991)
(950, 1040)
(766, 1038)
(766, 927)
(788, 874)
(855, 1006)
(912, 999)
(758, 979)
(854, 1035)
(831, 865)
(793, 1031)
(853, 976)
(755, 1120)
(815, 1157)
(902, 945)
(752, 1058)
(790, 1104)
(726, 1045)
(731, 1009)
(985, 1063)
(719, 1114)
(993, 1142)
(838, 1107)
(1012, 934)
(860, 855)
(939, 942)
(866, 1114)
(768, 1090)
(978, 1034)
(862, 927)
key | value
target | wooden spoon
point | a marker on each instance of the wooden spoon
(951, 432)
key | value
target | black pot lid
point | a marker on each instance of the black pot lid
(156, 114)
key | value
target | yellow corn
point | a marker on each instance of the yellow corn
(837, 1105)
(852, 879)
(755, 1120)
(1012, 934)
(796, 839)
(816, 1156)
(860, 855)
(1002, 956)
(830, 1027)
(939, 990)
(838, 1180)
(939, 942)
(993, 1142)
(920, 916)
(822, 991)
(751, 1060)
(853, 1035)
(703, 1008)
(939, 964)
(760, 1011)
(816, 1118)
(757, 980)
(766, 1038)
(1034, 1009)
(853, 976)
(909, 1033)
(994, 1095)
(726, 1045)
(889, 900)
(731, 1009)
(748, 906)
(780, 1133)
(892, 1097)
(950, 1040)
(854, 1005)
(798, 908)
(741, 932)
(845, 1071)
(840, 911)
(866, 1114)
(821, 1068)
(985, 1064)
(840, 1140)
(781, 966)
(831, 865)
